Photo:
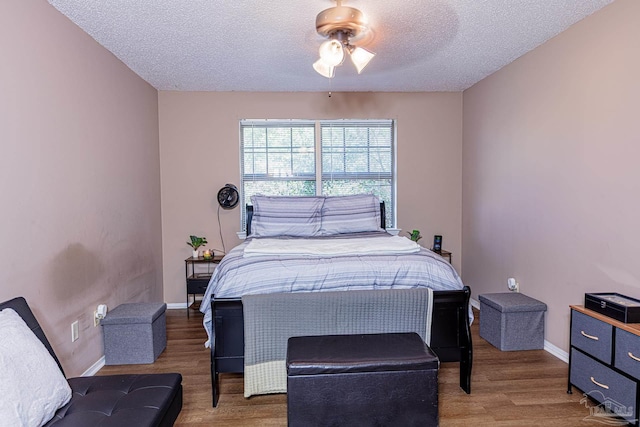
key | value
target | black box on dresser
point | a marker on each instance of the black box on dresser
(614, 305)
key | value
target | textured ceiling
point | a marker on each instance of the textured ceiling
(257, 45)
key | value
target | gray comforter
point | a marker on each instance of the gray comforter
(237, 276)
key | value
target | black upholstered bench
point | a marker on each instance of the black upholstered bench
(113, 400)
(122, 400)
(362, 380)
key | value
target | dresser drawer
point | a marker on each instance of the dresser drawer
(197, 286)
(592, 335)
(603, 384)
(627, 353)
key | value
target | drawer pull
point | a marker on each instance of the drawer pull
(636, 358)
(591, 337)
(606, 387)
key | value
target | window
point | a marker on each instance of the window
(326, 157)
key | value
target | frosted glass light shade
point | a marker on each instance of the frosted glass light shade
(361, 57)
(332, 53)
(323, 69)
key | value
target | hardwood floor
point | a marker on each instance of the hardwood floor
(523, 388)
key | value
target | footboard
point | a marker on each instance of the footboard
(451, 332)
(450, 335)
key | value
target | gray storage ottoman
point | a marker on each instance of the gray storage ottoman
(134, 333)
(512, 321)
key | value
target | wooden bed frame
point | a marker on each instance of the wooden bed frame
(450, 331)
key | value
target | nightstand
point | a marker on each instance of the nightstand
(443, 254)
(198, 278)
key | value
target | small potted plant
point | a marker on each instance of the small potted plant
(195, 243)
(414, 235)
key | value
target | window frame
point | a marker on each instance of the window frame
(319, 177)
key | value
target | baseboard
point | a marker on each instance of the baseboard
(548, 347)
(556, 351)
(176, 305)
(93, 369)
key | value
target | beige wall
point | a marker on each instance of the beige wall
(79, 178)
(551, 175)
(199, 153)
(549, 169)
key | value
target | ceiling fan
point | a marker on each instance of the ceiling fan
(341, 25)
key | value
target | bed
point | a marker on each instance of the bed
(275, 262)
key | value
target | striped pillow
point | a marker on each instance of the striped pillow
(350, 214)
(286, 216)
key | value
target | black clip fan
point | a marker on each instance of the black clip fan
(228, 196)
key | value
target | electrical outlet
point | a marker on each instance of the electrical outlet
(75, 334)
(99, 314)
(513, 285)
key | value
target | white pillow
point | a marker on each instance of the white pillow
(32, 387)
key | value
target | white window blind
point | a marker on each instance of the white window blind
(278, 157)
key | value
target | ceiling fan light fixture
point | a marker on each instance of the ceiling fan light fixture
(340, 24)
(361, 57)
(323, 69)
(332, 52)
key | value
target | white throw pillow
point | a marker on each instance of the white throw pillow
(32, 387)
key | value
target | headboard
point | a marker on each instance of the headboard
(250, 217)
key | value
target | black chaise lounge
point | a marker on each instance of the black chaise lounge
(113, 400)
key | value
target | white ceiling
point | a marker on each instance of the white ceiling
(258, 45)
